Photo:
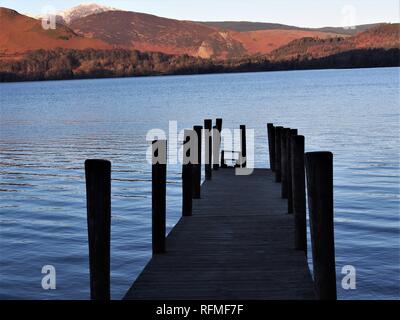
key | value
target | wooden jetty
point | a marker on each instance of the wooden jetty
(238, 244)
(242, 237)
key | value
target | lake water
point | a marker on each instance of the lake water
(48, 129)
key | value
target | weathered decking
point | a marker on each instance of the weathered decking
(237, 245)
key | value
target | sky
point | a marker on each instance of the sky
(305, 13)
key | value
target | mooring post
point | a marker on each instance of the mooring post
(158, 190)
(98, 200)
(217, 142)
(299, 192)
(215, 152)
(208, 148)
(218, 123)
(278, 173)
(291, 133)
(319, 170)
(284, 135)
(223, 164)
(187, 173)
(197, 166)
(243, 153)
(271, 145)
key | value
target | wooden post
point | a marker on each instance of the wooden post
(187, 175)
(278, 173)
(208, 148)
(319, 169)
(243, 155)
(197, 166)
(292, 132)
(271, 144)
(284, 190)
(299, 192)
(218, 123)
(217, 143)
(98, 199)
(223, 164)
(215, 152)
(158, 203)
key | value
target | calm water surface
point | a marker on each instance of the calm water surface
(48, 129)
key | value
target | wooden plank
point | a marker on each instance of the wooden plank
(237, 245)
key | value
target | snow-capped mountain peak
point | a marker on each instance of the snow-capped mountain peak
(83, 10)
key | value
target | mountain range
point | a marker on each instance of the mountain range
(94, 27)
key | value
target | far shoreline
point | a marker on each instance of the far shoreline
(225, 72)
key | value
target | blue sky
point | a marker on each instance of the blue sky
(307, 13)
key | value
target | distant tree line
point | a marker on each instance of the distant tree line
(91, 63)
(358, 58)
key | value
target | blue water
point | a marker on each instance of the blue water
(48, 129)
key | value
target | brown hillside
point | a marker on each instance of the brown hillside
(265, 41)
(384, 36)
(20, 33)
(151, 33)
